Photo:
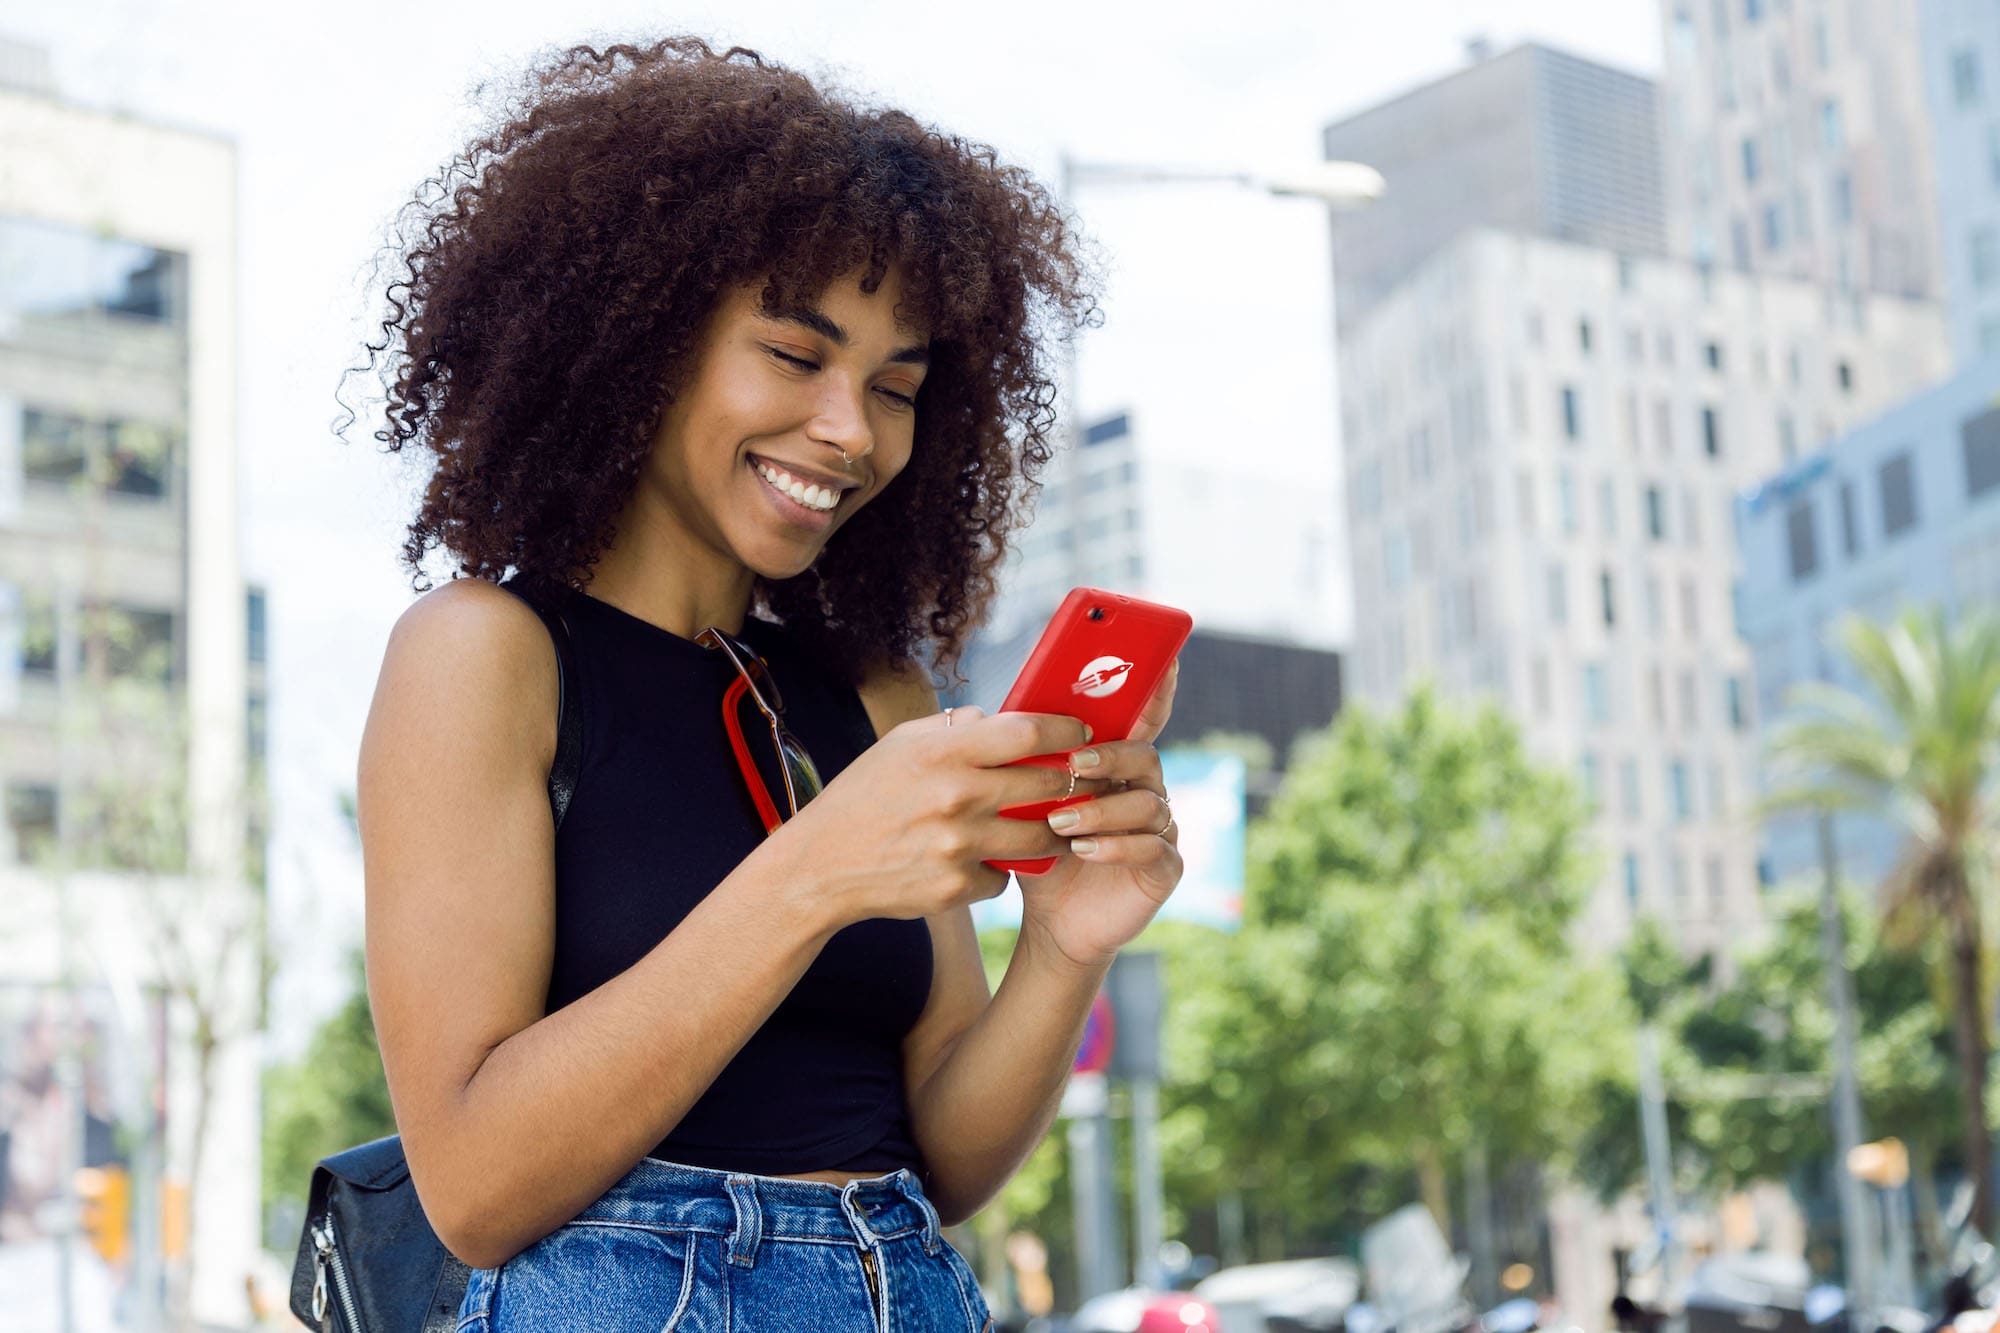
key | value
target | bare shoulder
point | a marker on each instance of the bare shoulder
(895, 693)
(478, 651)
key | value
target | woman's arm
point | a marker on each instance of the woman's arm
(984, 1073)
(512, 1121)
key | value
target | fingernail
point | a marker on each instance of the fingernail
(1062, 821)
(1083, 846)
(1084, 759)
(1087, 732)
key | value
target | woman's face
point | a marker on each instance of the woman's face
(747, 460)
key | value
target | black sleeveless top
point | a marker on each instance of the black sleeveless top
(659, 817)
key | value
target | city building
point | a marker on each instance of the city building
(1534, 141)
(1797, 142)
(1961, 58)
(130, 689)
(1111, 515)
(1544, 443)
(1902, 511)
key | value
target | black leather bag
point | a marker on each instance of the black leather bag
(368, 1260)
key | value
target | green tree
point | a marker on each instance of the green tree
(333, 1097)
(1404, 962)
(1921, 746)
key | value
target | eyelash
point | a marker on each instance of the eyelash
(803, 364)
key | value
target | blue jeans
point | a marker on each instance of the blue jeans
(683, 1249)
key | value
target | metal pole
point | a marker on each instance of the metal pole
(1857, 1223)
(1149, 1196)
(1659, 1159)
(1097, 1264)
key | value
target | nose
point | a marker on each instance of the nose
(841, 421)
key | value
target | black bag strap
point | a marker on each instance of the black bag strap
(548, 603)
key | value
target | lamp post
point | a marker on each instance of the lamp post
(1340, 186)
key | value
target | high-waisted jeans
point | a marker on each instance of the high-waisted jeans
(683, 1249)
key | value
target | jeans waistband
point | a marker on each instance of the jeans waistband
(750, 1209)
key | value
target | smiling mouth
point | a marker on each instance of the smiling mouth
(811, 500)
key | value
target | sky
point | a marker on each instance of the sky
(1217, 301)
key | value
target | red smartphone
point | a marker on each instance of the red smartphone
(1099, 661)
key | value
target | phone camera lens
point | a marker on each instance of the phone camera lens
(1097, 613)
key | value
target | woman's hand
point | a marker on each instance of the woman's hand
(1126, 862)
(902, 831)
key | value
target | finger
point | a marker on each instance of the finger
(1137, 811)
(1006, 737)
(1032, 784)
(963, 715)
(1136, 762)
(1153, 717)
(1156, 858)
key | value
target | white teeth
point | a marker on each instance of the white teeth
(813, 497)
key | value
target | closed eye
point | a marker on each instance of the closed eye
(799, 362)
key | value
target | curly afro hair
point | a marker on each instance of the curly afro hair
(591, 234)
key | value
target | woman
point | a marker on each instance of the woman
(688, 340)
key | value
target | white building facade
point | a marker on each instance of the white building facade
(120, 572)
(1544, 444)
(1797, 141)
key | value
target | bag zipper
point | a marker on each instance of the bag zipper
(329, 1261)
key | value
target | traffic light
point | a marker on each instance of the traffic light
(1884, 1164)
(106, 1195)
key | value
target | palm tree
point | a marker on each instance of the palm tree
(1921, 748)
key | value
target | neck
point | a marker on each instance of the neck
(656, 570)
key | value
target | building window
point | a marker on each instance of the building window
(38, 638)
(1831, 136)
(1656, 519)
(1690, 608)
(1733, 686)
(1610, 603)
(1750, 161)
(1677, 781)
(1965, 77)
(1799, 538)
(1558, 594)
(136, 643)
(1663, 426)
(1587, 770)
(1711, 434)
(1899, 496)
(31, 819)
(1656, 696)
(1985, 257)
(1632, 881)
(1774, 227)
(1607, 506)
(79, 275)
(1711, 353)
(1628, 789)
(1980, 437)
(1788, 437)
(1843, 198)
(54, 446)
(1572, 426)
(1690, 519)
(253, 626)
(1850, 536)
(1596, 700)
(1739, 242)
(1583, 335)
(1566, 500)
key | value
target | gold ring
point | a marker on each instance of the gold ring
(1169, 828)
(1072, 786)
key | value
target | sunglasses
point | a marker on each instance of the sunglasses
(753, 677)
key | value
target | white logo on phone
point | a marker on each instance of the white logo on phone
(1102, 676)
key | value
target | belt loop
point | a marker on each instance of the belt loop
(862, 1231)
(915, 1193)
(749, 1229)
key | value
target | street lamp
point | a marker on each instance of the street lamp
(1341, 187)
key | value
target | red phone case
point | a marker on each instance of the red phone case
(1099, 661)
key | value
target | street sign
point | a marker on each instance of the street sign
(1100, 1035)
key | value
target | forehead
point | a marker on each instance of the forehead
(842, 302)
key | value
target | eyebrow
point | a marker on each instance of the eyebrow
(817, 321)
